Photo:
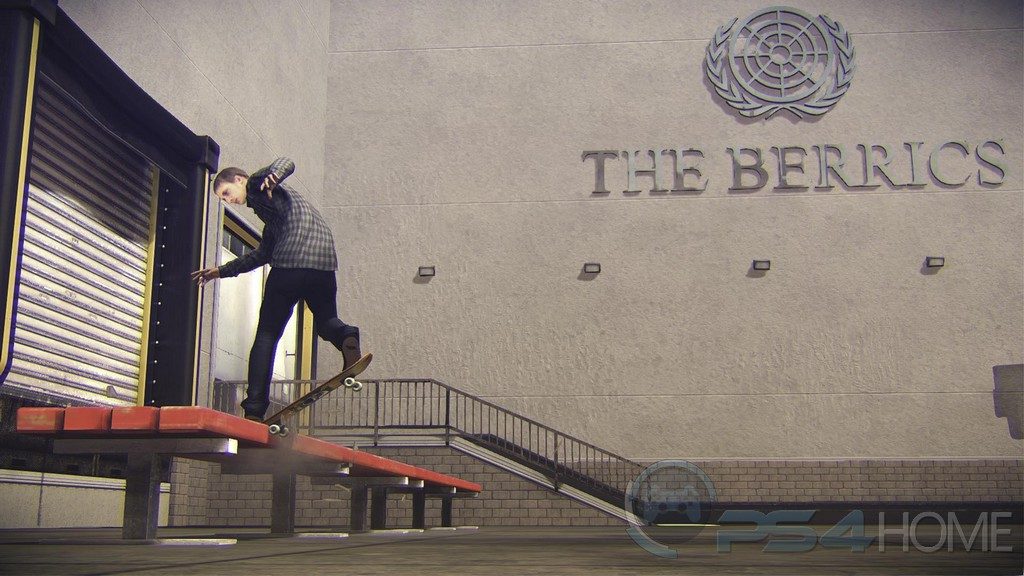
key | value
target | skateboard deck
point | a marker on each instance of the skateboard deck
(344, 378)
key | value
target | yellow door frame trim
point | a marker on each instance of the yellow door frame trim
(147, 299)
(232, 225)
(308, 338)
(202, 264)
(5, 345)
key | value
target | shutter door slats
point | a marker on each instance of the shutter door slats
(106, 197)
(41, 386)
(60, 384)
(56, 364)
(73, 327)
(71, 142)
(83, 269)
(58, 245)
(65, 303)
(85, 277)
(125, 373)
(65, 331)
(80, 293)
(61, 111)
(88, 225)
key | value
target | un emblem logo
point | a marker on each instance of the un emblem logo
(780, 58)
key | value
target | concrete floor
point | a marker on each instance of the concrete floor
(485, 551)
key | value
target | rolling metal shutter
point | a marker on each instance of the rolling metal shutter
(82, 299)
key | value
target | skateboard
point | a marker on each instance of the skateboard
(346, 378)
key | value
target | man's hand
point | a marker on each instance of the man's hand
(201, 277)
(268, 185)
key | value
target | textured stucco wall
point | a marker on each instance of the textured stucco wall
(454, 137)
(450, 133)
(250, 74)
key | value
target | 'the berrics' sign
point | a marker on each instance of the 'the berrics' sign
(950, 164)
(783, 59)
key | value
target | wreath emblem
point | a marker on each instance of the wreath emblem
(780, 58)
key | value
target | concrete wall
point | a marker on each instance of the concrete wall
(454, 137)
(36, 500)
(248, 73)
(451, 133)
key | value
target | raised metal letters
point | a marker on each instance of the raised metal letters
(949, 164)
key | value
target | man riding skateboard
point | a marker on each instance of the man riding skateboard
(299, 247)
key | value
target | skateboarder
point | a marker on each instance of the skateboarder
(300, 250)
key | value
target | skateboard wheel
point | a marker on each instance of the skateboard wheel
(284, 432)
(275, 429)
(353, 384)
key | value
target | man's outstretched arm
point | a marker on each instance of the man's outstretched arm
(251, 261)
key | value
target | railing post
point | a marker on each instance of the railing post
(376, 412)
(312, 419)
(447, 416)
(314, 412)
(555, 479)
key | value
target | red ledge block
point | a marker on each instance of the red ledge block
(205, 421)
(40, 420)
(366, 464)
(463, 485)
(87, 419)
(437, 479)
(135, 419)
(309, 446)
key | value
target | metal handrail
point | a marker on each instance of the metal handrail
(426, 406)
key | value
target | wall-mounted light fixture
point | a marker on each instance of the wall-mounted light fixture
(426, 272)
(934, 261)
(592, 268)
(762, 265)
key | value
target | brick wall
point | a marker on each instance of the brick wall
(189, 499)
(507, 500)
(201, 495)
(244, 500)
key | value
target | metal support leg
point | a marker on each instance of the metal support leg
(379, 508)
(419, 509)
(357, 521)
(446, 511)
(142, 497)
(282, 507)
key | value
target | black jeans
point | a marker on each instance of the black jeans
(284, 288)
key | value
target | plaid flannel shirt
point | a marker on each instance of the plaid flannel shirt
(294, 233)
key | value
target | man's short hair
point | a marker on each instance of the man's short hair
(228, 175)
